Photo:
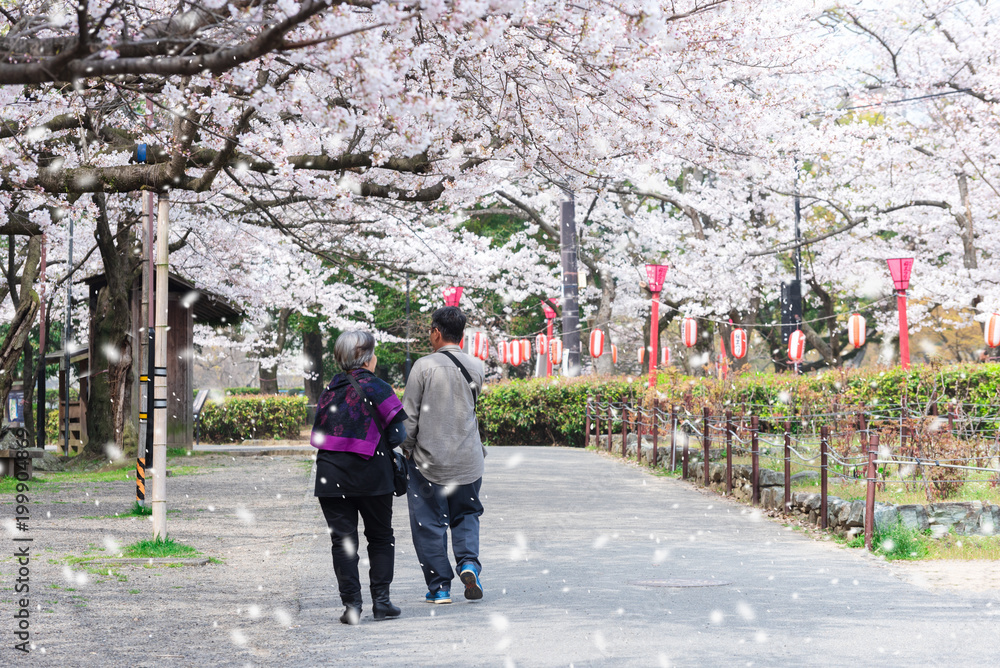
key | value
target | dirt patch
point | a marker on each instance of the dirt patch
(951, 575)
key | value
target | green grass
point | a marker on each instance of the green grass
(951, 546)
(159, 548)
(8, 485)
(900, 543)
(133, 591)
(62, 477)
(139, 510)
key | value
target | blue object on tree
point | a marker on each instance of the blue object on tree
(141, 153)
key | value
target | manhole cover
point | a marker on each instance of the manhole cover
(680, 583)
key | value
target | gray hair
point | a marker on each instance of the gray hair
(354, 349)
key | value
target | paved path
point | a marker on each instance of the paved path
(566, 536)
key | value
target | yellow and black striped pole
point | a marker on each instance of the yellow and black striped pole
(145, 447)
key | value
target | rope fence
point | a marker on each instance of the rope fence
(927, 451)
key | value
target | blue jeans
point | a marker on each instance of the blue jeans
(432, 512)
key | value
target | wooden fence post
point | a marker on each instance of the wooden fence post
(870, 491)
(656, 430)
(706, 440)
(624, 430)
(610, 423)
(729, 452)
(788, 466)
(755, 459)
(824, 434)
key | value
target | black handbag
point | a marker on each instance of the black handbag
(399, 472)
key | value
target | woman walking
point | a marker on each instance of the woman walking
(354, 471)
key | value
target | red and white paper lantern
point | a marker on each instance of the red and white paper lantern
(689, 332)
(596, 343)
(992, 331)
(514, 356)
(525, 350)
(739, 343)
(542, 345)
(796, 346)
(664, 357)
(555, 351)
(479, 345)
(502, 348)
(642, 356)
(856, 330)
(614, 354)
(486, 350)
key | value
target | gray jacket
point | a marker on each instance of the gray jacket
(441, 425)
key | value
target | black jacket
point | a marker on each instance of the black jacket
(347, 474)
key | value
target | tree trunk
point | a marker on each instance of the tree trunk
(110, 370)
(24, 317)
(312, 350)
(269, 371)
(109, 397)
(268, 379)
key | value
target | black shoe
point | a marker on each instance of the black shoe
(352, 615)
(382, 607)
(352, 611)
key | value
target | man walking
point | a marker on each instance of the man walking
(445, 456)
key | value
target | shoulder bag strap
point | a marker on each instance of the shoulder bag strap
(468, 376)
(368, 405)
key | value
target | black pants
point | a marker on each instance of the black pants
(342, 518)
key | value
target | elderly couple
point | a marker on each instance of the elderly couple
(436, 428)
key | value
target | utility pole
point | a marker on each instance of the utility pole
(159, 469)
(571, 286)
(791, 292)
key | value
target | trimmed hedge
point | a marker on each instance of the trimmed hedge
(244, 417)
(547, 410)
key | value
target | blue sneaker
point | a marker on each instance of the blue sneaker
(470, 578)
(439, 596)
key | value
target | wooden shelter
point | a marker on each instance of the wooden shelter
(187, 305)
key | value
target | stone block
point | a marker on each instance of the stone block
(886, 516)
(856, 514)
(742, 472)
(772, 498)
(769, 478)
(913, 516)
(961, 516)
(813, 502)
(717, 472)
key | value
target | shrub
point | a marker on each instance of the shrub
(545, 410)
(239, 418)
(241, 391)
(899, 542)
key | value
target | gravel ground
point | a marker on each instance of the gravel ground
(247, 512)
(572, 544)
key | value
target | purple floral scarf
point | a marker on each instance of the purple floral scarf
(343, 424)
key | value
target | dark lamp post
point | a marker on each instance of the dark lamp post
(655, 274)
(900, 269)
